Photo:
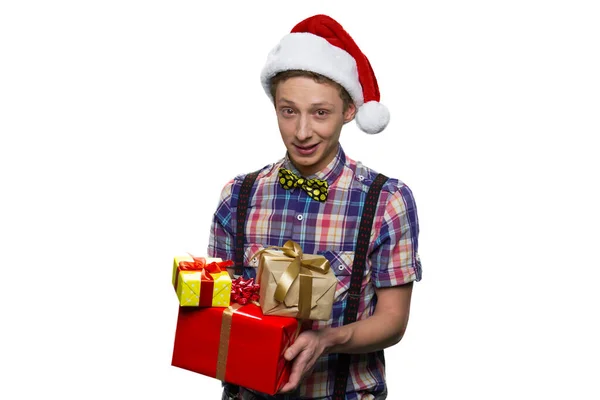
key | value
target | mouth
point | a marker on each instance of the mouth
(306, 150)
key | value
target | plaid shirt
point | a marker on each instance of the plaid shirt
(276, 215)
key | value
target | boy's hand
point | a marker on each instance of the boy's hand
(305, 351)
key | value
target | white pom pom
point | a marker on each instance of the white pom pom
(372, 117)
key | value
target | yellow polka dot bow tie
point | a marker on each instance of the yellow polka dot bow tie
(315, 188)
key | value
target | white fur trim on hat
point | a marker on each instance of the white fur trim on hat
(372, 117)
(308, 52)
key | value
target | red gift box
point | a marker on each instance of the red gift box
(237, 344)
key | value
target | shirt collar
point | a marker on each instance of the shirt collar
(330, 173)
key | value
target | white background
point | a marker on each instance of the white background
(120, 122)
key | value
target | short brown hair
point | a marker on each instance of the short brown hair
(285, 75)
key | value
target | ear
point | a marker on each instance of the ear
(350, 113)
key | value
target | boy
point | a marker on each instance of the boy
(319, 80)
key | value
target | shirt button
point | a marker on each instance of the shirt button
(361, 178)
(299, 217)
(341, 267)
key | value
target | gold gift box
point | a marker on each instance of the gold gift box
(288, 277)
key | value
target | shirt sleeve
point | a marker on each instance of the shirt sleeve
(221, 239)
(395, 258)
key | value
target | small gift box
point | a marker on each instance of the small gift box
(236, 344)
(294, 284)
(201, 282)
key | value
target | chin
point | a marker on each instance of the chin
(306, 161)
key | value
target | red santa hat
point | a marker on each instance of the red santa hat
(320, 44)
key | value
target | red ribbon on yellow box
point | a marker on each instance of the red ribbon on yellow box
(206, 275)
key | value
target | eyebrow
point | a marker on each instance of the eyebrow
(323, 103)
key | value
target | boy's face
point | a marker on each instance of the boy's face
(310, 117)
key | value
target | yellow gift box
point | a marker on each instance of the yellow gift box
(201, 282)
(293, 284)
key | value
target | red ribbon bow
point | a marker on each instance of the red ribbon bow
(200, 264)
(244, 291)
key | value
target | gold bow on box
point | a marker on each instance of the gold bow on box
(293, 284)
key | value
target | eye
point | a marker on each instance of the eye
(287, 111)
(322, 113)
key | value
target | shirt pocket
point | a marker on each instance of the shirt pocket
(250, 251)
(341, 265)
(250, 261)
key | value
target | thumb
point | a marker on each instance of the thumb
(294, 349)
(292, 352)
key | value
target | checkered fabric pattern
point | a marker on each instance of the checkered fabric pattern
(330, 229)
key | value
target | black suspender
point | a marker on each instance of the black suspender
(242, 209)
(358, 268)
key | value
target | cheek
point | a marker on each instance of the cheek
(286, 127)
(283, 122)
(327, 129)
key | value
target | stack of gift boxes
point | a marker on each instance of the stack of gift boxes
(224, 325)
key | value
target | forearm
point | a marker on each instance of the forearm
(372, 334)
(383, 329)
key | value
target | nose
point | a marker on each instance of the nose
(304, 130)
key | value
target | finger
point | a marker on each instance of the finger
(290, 385)
(295, 348)
(291, 352)
(297, 372)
